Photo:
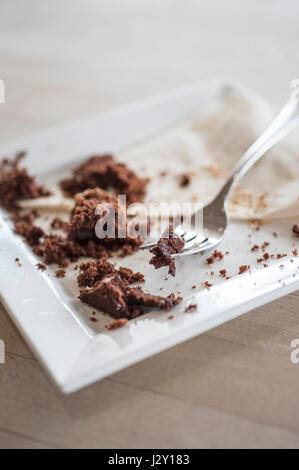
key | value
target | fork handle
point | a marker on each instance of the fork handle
(284, 123)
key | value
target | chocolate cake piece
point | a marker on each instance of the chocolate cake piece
(191, 308)
(59, 250)
(95, 271)
(104, 172)
(108, 297)
(16, 183)
(168, 245)
(114, 296)
(130, 276)
(136, 297)
(90, 207)
(108, 289)
(52, 248)
(84, 217)
(55, 249)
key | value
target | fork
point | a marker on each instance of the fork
(215, 215)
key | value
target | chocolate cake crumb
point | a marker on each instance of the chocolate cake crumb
(216, 255)
(260, 260)
(223, 272)
(184, 180)
(266, 256)
(295, 230)
(16, 183)
(255, 224)
(41, 266)
(114, 325)
(93, 319)
(193, 287)
(264, 245)
(59, 250)
(281, 255)
(191, 308)
(295, 252)
(168, 245)
(243, 268)
(94, 271)
(275, 234)
(255, 248)
(171, 317)
(211, 259)
(59, 224)
(23, 225)
(60, 273)
(130, 276)
(207, 284)
(104, 172)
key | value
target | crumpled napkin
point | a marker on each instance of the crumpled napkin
(207, 147)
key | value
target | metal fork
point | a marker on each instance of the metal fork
(215, 216)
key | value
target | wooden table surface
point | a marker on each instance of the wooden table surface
(233, 386)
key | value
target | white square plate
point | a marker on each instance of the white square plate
(77, 352)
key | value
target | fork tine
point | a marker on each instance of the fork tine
(191, 237)
(206, 245)
(146, 246)
(187, 236)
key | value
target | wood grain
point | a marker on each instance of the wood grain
(232, 387)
